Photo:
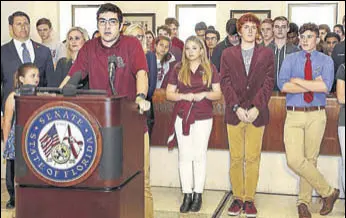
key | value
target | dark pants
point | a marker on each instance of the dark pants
(150, 118)
(10, 178)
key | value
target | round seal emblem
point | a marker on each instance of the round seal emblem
(62, 144)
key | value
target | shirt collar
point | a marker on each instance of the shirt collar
(113, 46)
(18, 44)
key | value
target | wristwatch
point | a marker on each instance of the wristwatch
(235, 107)
(141, 95)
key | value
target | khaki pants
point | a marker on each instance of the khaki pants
(245, 144)
(148, 197)
(303, 135)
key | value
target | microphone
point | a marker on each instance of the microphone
(112, 65)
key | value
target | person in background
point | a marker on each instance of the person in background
(200, 29)
(150, 39)
(193, 85)
(339, 29)
(137, 31)
(280, 46)
(75, 39)
(307, 77)
(27, 74)
(131, 79)
(232, 39)
(338, 56)
(323, 30)
(173, 24)
(247, 92)
(21, 49)
(331, 40)
(164, 59)
(164, 30)
(96, 34)
(340, 93)
(212, 37)
(293, 34)
(267, 31)
(45, 31)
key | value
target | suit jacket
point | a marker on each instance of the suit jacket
(245, 90)
(10, 62)
(338, 56)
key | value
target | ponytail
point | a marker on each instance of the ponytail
(21, 72)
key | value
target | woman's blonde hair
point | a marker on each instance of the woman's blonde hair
(184, 75)
(85, 37)
(130, 31)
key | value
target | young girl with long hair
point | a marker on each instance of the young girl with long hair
(193, 84)
(27, 74)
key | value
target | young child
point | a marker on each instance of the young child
(27, 74)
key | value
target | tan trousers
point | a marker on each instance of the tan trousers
(303, 135)
(245, 144)
(148, 197)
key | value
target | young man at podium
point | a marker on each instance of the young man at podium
(120, 57)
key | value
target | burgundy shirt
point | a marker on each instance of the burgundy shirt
(92, 60)
(178, 43)
(203, 109)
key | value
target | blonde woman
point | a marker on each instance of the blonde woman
(137, 31)
(75, 39)
(193, 84)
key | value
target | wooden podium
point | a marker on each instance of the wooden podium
(79, 157)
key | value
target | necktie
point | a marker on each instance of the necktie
(26, 54)
(308, 96)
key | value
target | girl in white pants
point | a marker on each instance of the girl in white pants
(193, 84)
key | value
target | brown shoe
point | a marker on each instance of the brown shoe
(303, 211)
(328, 202)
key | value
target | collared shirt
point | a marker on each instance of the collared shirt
(92, 60)
(280, 55)
(29, 46)
(293, 67)
(204, 108)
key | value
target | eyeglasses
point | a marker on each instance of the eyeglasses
(111, 22)
(210, 38)
(303, 37)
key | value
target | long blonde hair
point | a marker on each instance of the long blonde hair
(130, 31)
(184, 75)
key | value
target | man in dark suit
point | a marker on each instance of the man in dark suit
(247, 81)
(13, 54)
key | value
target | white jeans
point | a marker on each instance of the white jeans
(193, 154)
(341, 131)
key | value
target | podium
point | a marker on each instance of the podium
(79, 157)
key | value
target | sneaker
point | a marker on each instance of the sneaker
(328, 202)
(250, 209)
(235, 208)
(303, 211)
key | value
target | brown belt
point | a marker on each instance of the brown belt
(305, 109)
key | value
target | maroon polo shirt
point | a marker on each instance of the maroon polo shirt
(203, 109)
(178, 43)
(92, 60)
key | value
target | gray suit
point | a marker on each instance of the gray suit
(10, 62)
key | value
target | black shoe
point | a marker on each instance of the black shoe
(185, 207)
(197, 202)
(10, 204)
